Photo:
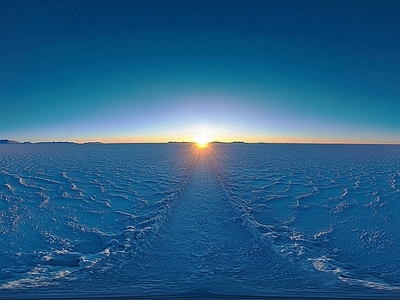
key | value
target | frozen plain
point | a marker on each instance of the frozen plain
(173, 220)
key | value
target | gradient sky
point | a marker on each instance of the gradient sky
(154, 71)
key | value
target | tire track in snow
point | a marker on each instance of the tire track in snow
(201, 249)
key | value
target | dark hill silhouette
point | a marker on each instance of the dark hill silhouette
(9, 142)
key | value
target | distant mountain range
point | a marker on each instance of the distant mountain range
(9, 142)
(5, 141)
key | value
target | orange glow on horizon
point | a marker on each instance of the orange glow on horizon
(202, 144)
(203, 141)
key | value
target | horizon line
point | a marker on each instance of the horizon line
(7, 141)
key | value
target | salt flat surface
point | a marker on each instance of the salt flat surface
(172, 219)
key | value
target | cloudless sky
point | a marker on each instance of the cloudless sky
(154, 71)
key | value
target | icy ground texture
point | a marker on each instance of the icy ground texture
(241, 219)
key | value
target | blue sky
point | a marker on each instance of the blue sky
(154, 71)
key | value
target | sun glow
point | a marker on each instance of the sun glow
(202, 141)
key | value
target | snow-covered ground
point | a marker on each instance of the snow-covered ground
(173, 219)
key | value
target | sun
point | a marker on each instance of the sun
(202, 141)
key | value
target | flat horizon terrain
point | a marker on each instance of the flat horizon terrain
(241, 220)
(13, 142)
